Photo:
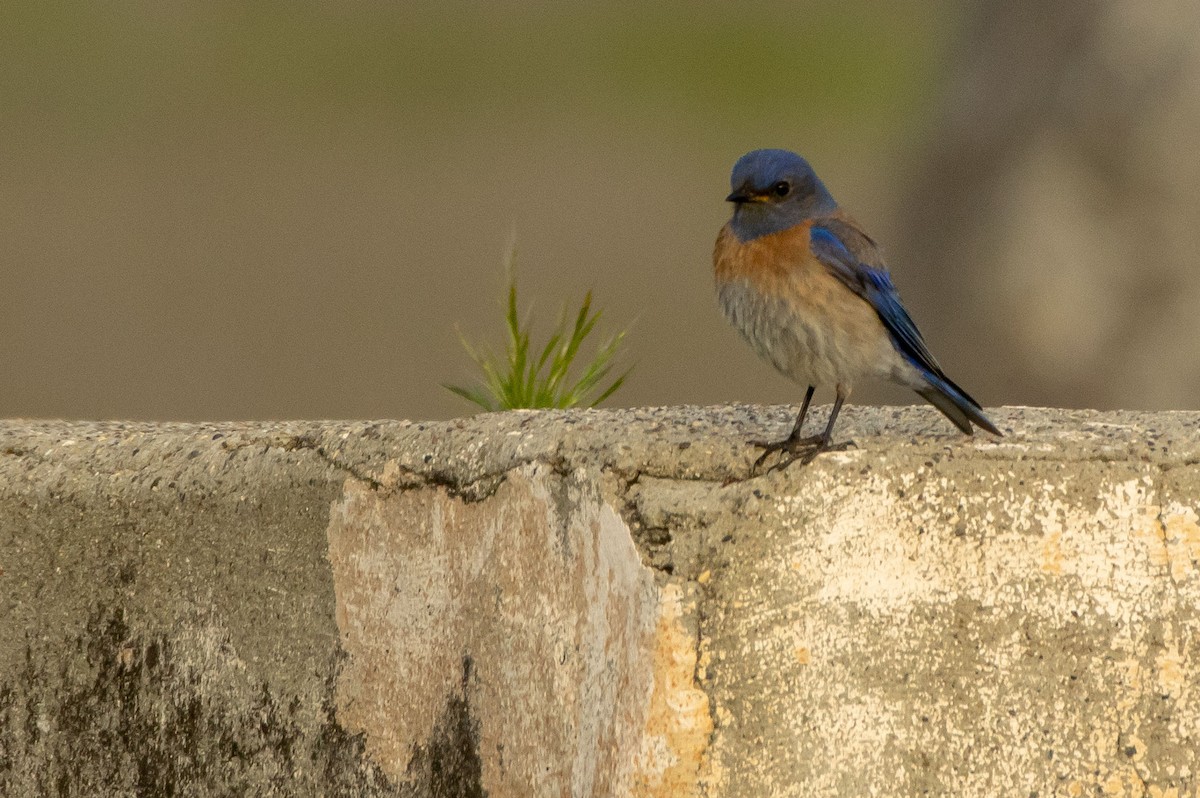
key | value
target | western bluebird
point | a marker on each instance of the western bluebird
(809, 290)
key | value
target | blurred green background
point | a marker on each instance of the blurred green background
(266, 210)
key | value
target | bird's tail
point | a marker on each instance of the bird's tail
(955, 404)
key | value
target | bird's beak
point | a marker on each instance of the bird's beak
(743, 195)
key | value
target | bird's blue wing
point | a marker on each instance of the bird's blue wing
(852, 257)
(875, 286)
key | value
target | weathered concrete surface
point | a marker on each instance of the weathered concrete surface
(601, 603)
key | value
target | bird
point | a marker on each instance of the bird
(809, 290)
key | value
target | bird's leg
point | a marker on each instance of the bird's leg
(795, 436)
(824, 441)
(792, 441)
(805, 448)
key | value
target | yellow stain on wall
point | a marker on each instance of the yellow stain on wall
(1127, 784)
(1172, 671)
(1051, 559)
(1158, 792)
(679, 724)
(1181, 532)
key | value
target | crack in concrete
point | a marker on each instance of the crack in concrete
(309, 443)
(652, 551)
(478, 488)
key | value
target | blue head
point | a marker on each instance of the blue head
(774, 190)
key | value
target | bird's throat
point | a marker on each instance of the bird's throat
(755, 220)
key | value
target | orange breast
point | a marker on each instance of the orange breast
(768, 261)
(795, 312)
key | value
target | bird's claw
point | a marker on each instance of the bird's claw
(803, 449)
(798, 448)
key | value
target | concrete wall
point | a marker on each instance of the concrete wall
(601, 603)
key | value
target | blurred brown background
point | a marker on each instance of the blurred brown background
(265, 210)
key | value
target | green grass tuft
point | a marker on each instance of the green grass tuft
(542, 378)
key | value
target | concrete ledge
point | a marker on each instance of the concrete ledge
(598, 603)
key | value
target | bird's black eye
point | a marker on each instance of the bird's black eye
(781, 189)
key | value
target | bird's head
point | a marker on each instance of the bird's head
(774, 190)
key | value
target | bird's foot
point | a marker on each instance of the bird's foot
(793, 449)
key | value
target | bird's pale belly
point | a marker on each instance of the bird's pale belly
(810, 350)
